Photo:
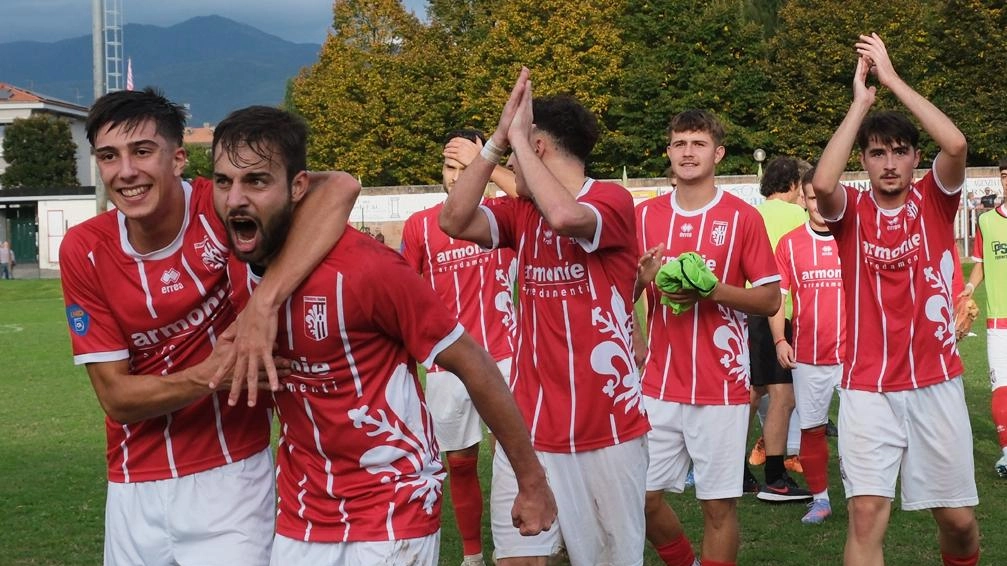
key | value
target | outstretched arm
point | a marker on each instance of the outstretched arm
(534, 507)
(319, 221)
(831, 198)
(460, 217)
(950, 168)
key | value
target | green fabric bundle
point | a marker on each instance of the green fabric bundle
(687, 272)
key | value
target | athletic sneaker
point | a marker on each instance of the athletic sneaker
(793, 464)
(818, 511)
(690, 479)
(758, 455)
(1001, 466)
(831, 429)
(783, 490)
(473, 560)
(750, 484)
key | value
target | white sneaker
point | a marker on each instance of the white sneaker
(473, 560)
(1001, 466)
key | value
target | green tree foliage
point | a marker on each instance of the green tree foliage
(373, 100)
(570, 47)
(970, 85)
(778, 73)
(813, 61)
(40, 153)
(688, 55)
(199, 163)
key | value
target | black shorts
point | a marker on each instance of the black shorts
(765, 369)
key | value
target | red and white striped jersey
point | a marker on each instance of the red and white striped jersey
(810, 272)
(162, 311)
(574, 379)
(700, 357)
(476, 285)
(898, 268)
(357, 459)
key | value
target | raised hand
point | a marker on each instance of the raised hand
(861, 92)
(872, 48)
(650, 263)
(459, 152)
(499, 137)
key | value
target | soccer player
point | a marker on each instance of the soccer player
(190, 477)
(358, 473)
(574, 378)
(696, 377)
(810, 273)
(902, 407)
(990, 255)
(477, 286)
(781, 185)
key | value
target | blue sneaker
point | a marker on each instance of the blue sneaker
(818, 511)
(690, 480)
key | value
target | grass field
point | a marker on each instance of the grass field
(52, 470)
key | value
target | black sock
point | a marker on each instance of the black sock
(774, 468)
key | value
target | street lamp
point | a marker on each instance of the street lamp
(759, 156)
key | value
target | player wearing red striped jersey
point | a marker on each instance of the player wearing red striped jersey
(574, 380)
(477, 286)
(902, 406)
(359, 477)
(810, 274)
(696, 376)
(145, 289)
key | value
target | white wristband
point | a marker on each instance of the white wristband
(970, 287)
(491, 152)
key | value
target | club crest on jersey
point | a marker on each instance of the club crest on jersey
(316, 318)
(78, 319)
(718, 235)
(169, 281)
(211, 254)
(912, 210)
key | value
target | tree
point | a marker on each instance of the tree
(813, 61)
(373, 101)
(40, 153)
(199, 164)
(688, 55)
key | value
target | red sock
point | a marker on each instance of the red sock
(970, 560)
(467, 498)
(815, 458)
(705, 562)
(677, 552)
(1000, 414)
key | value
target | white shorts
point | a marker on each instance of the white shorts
(713, 437)
(599, 494)
(456, 421)
(813, 390)
(996, 355)
(422, 551)
(222, 516)
(923, 434)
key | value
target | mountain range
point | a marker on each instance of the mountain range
(211, 63)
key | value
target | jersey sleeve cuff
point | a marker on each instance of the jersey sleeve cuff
(590, 246)
(98, 357)
(443, 344)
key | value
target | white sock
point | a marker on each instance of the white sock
(824, 494)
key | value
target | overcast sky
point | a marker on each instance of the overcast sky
(301, 21)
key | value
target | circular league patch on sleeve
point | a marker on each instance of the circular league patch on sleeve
(78, 319)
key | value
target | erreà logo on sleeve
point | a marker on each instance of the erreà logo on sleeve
(78, 319)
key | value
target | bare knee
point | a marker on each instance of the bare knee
(719, 512)
(958, 524)
(868, 515)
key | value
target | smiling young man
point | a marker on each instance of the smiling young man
(189, 475)
(902, 408)
(696, 375)
(358, 474)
